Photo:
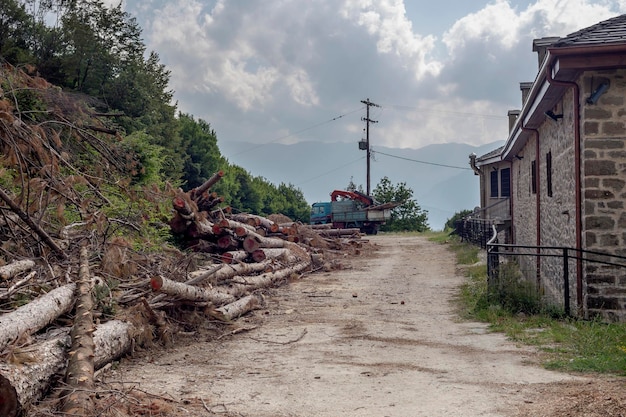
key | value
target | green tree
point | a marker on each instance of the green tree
(451, 222)
(203, 157)
(408, 215)
(16, 27)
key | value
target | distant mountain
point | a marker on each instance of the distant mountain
(439, 175)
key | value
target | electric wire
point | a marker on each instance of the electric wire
(421, 162)
(299, 131)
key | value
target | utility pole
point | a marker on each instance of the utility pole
(367, 120)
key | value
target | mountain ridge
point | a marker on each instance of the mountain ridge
(439, 174)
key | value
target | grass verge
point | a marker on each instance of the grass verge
(568, 344)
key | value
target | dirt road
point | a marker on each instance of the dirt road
(379, 338)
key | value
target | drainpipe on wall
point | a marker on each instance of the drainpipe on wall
(538, 202)
(577, 173)
(477, 171)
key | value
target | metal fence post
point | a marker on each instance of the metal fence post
(566, 281)
(493, 270)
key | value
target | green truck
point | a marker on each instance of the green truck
(351, 209)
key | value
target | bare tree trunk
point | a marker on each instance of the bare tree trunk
(244, 284)
(240, 307)
(188, 292)
(35, 315)
(22, 384)
(14, 268)
(226, 272)
(80, 367)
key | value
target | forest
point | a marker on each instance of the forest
(96, 52)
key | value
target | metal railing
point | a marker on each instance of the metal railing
(501, 209)
(551, 268)
(474, 231)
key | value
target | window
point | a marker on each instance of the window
(533, 177)
(549, 172)
(494, 183)
(505, 182)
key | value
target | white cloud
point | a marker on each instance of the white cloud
(281, 67)
(386, 20)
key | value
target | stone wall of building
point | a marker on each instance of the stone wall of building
(557, 183)
(604, 190)
(524, 207)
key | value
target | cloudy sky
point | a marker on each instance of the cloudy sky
(296, 70)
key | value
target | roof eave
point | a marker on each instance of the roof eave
(566, 63)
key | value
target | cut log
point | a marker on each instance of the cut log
(227, 243)
(200, 228)
(234, 256)
(80, 366)
(35, 315)
(112, 340)
(258, 255)
(24, 383)
(251, 243)
(15, 268)
(254, 241)
(208, 183)
(239, 228)
(227, 272)
(243, 284)
(340, 232)
(188, 292)
(240, 307)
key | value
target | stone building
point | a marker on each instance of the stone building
(566, 161)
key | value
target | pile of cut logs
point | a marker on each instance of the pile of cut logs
(247, 253)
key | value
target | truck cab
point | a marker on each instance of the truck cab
(321, 213)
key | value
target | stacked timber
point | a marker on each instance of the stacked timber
(247, 254)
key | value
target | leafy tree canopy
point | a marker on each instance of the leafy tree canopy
(408, 215)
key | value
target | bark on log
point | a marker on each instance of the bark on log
(244, 284)
(236, 226)
(254, 241)
(234, 256)
(22, 384)
(240, 307)
(227, 272)
(340, 232)
(35, 315)
(15, 268)
(80, 367)
(208, 183)
(112, 340)
(188, 292)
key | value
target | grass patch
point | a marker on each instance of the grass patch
(569, 344)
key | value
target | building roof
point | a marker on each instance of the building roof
(606, 32)
(489, 155)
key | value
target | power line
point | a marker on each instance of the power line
(422, 162)
(297, 132)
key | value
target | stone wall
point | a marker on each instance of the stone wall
(604, 190)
